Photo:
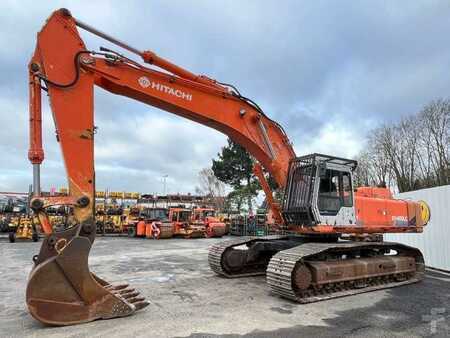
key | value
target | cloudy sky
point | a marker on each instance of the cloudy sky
(328, 71)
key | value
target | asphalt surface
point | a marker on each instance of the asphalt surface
(188, 300)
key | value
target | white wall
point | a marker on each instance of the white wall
(434, 242)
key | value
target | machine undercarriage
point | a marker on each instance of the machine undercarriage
(308, 269)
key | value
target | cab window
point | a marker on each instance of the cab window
(208, 213)
(335, 192)
(184, 216)
(347, 190)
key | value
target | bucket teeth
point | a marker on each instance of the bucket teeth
(135, 300)
(125, 291)
(131, 294)
(116, 287)
(140, 305)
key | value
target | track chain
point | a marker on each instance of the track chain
(216, 251)
(280, 272)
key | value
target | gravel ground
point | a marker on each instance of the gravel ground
(188, 300)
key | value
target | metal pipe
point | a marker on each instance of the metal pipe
(35, 153)
(150, 57)
(36, 179)
(266, 139)
(30, 194)
(105, 36)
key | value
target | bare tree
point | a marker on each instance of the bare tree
(411, 154)
(399, 143)
(373, 165)
(424, 159)
(211, 187)
(381, 172)
(362, 174)
(435, 140)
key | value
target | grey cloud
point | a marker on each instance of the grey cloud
(313, 66)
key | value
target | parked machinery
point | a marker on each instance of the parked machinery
(17, 221)
(251, 225)
(22, 227)
(237, 225)
(5, 206)
(225, 218)
(113, 219)
(4, 223)
(4, 201)
(180, 218)
(151, 223)
(206, 217)
(157, 223)
(100, 217)
(264, 224)
(320, 206)
(60, 217)
(132, 217)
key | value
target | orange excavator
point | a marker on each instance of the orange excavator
(309, 262)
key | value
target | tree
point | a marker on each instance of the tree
(211, 186)
(411, 154)
(362, 174)
(435, 141)
(399, 143)
(373, 168)
(236, 199)
(235, 167)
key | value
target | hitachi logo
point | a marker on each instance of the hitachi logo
(145, 82)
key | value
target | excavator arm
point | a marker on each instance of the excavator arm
(64, 67)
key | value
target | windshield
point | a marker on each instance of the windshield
(208, 213)
(335, 191)
(157, 214)
(184, 216)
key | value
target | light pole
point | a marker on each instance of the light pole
(165, 184)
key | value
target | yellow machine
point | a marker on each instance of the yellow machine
(225, 218)
(114, 223)
(23, 228)
(110, 219)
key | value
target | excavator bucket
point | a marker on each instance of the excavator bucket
(62, 291)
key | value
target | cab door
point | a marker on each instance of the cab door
(335, 198)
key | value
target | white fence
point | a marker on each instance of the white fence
(434, 242)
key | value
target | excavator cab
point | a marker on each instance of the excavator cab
(319, 191)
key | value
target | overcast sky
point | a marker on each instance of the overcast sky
(328, 71)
